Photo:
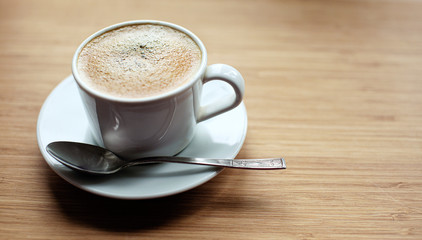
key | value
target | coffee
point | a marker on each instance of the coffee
(139, 61)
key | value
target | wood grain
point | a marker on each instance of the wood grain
(333, 86)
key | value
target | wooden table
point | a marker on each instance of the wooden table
(333, 86)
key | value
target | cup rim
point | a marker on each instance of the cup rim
(167, 94)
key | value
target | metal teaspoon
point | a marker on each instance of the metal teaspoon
(97, 160)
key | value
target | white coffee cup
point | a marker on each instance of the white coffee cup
(157, 125)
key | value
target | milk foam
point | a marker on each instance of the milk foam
(138, 61)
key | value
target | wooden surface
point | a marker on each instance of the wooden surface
(333, 86)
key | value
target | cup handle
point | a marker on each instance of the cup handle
(230, 75)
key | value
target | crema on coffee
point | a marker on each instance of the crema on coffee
(139, 61)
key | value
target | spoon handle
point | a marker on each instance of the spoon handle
(268, 163)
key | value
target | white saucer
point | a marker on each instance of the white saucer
(62, 118)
